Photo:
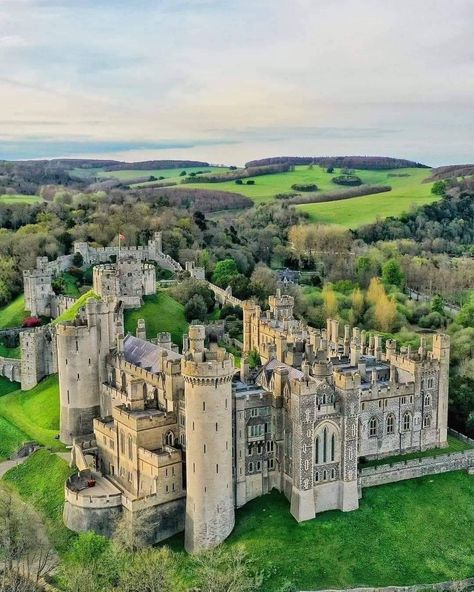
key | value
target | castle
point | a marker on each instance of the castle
(188, 438)
(185, 437)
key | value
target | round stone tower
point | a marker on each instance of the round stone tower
(82, 348)
(208, 403)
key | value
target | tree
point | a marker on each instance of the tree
(254, 359)
(77, 259)
(375, 290)
(226, 570)
(150, 570)
(195, 309)
(392, 274)
(224, 271)
(385, 313)
(437, 304)
(263, 282)
(466, 315)
(439, 188)
(358, 305)
(330, 305)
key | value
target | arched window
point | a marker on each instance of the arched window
(373, 427)
(390, 424)
(124, 381)
(427, 400)
(316, 476)
(169, 438)
(407, 421)
(427, 421)
(325, 445)
(333, 473)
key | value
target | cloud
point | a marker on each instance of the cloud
(317, 75)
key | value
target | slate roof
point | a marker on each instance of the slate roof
(145, 354)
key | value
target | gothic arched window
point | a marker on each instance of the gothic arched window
(390, 424)
(373, 423)
(427, 400)
(169, 438)
(427, 421)
(407, 421)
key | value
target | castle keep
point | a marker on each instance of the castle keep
(188, 438)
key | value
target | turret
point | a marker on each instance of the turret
(208, 402)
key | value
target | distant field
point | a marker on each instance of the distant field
(18, 199)
(406, 192)
(30, 415)
(161, 313)
(168, 174)
(13, 314)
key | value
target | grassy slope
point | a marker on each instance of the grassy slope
(13, 314)
(71, 313)
(403, 533)
(40, 481)
(71, 288)
(33, 414)
(19, 199)
(161, 313)
(406, 191)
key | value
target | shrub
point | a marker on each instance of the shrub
(239, 182)
(347, 180)
(304, 187)
(195, 309)
(31, 322)
(250, 182)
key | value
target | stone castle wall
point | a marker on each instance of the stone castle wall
(411, 469)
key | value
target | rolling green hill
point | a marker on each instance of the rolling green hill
(19, 199)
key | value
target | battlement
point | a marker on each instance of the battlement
(209, 369)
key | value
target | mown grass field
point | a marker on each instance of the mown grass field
(403, 533)
(13, 314)
(29, 415)
(161, 313)
(19, 199)
(40, 482)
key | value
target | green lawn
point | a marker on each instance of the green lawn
(454, 445)
(417, 531)
(71, 288)
(351, 213)
(40, 481)
(32, 415)
(13, 314)
(18, 199)
(161, 313)
(9, 352)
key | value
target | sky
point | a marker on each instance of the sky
(227, 81)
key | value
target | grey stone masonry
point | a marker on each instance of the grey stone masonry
(410, 469)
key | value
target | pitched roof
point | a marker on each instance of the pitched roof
(145, 354)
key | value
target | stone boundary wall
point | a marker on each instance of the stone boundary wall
(462, 437)
(224, 296)
(452, 586)
(411, 469)
(10, 368)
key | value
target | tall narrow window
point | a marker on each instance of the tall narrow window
(390, 424)
(407, 421)
(333, 447)
(316, 456)
(373, 427)
(325, 445)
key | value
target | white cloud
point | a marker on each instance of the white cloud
(117, 70)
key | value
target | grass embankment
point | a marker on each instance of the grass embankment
(19, 199)
(71, 313)
(454, 445)
(161, 313)
(70, 283)
(40, 482)
(29, 415)
(13, 314)
(403, 533)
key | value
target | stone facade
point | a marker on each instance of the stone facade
(185, 429)
(127, 280)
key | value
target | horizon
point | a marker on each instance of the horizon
(224, 83)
